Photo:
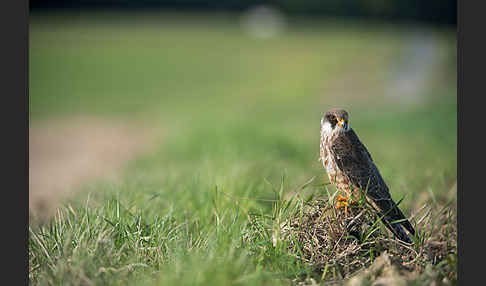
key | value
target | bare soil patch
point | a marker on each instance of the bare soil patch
(64, 153)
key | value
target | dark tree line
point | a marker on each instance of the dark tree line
(436, 11)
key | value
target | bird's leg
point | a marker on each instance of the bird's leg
(344, 202)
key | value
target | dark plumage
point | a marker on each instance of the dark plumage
(349, 164)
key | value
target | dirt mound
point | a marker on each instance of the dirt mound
(356, 248)
(63, 153)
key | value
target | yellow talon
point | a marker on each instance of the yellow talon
(343, 202)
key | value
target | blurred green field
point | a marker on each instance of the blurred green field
(237, 111)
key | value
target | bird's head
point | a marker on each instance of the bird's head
(335, 121)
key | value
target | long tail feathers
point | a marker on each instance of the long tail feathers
(393, 213)
(399, 232)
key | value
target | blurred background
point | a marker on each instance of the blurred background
(236, 89)
(153, 123)
(434, 11)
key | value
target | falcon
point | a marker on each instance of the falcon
(350, 168)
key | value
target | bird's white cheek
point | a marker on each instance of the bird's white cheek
(326, 128)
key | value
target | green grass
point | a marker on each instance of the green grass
(239, 113)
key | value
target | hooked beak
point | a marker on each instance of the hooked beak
(341, 122)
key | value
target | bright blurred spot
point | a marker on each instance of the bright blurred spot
(413, 70)
(263, 21)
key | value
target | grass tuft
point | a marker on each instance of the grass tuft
(327, 245)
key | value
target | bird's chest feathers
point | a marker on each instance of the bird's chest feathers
(330, 166)
(327, 155)
(336, 176)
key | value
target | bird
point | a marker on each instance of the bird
(350, 168)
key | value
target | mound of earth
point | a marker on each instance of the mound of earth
(357, 248)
